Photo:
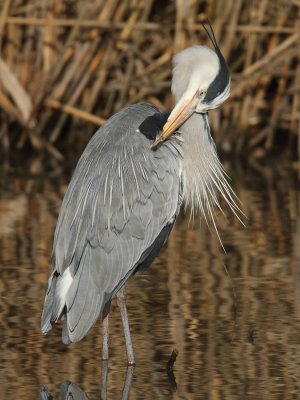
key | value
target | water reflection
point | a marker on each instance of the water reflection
(242, 346)
(69, 391)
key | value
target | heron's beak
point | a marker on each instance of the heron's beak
(181, 112)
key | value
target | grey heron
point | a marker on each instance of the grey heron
(127, 190)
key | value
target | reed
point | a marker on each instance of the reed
(64, 62)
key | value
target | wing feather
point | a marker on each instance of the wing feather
(121, 198)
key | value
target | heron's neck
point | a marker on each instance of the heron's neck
(202, 171)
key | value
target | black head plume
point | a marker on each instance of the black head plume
(211, 35)
(223, 78)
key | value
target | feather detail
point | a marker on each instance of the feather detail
(118, 211)
(204, 177)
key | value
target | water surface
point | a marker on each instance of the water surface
(237, 337)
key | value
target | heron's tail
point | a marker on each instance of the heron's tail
(76, 299)
(54, 302)
(47, 311)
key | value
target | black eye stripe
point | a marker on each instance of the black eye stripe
(220, 82)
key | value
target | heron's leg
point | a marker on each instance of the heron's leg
(104, 376)
(121, 299)
(105, 351)
(128, 381)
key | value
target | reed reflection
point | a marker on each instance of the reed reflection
(233, 347)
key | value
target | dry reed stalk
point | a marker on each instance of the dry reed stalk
(84, 23)
(10, 108)
(16, 91)
(247, 107)
(75, 112)
(90, 59)
(3, 18)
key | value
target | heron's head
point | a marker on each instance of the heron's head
(201, 82)
(200, 79)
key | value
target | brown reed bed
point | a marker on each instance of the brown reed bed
(64, 62)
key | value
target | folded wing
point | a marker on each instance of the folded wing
(118, 211)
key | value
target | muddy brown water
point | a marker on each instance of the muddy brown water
(237, 337)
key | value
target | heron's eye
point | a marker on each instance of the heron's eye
(202, 93)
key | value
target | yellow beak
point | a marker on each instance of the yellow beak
(182, 111)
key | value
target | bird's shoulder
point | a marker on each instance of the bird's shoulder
(125, 140)
(135, 122)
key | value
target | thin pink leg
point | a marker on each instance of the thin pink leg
(104, 377)
(105, 350)
(121, 299)
(128, 381)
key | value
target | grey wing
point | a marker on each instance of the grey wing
(70, 391)
(121, 198)
(44, 394)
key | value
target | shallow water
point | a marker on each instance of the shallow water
(237, 337)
